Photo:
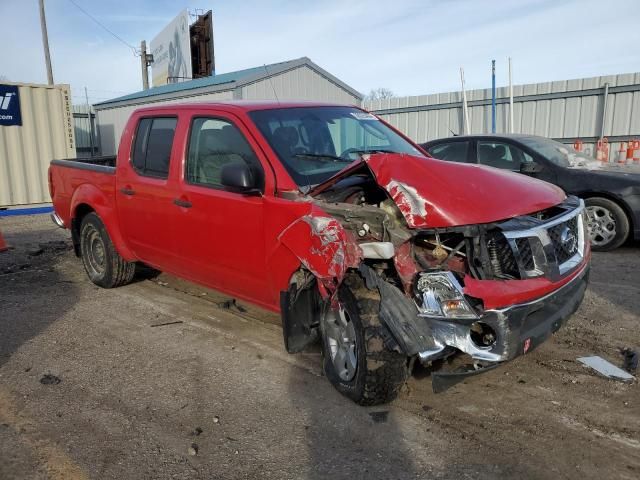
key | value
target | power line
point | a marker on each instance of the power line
(134, 49)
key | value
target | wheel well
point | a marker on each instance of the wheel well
(81, 211)
(625, 208)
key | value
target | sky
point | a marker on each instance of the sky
(408, 46)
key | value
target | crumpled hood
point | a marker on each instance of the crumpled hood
(433, 193)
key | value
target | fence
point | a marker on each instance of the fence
(567, 110)
(84, 120)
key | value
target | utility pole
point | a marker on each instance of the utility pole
(144, 65)
(493, 96)
(45, 41)
(465, 110)
(510, 99)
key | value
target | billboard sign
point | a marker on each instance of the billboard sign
(10, 105)
(171, 50)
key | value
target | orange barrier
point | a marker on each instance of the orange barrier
(577, 145)
(602, 150)
(633, 152)
(3, 244)
(623, 153)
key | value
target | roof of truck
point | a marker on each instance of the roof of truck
(224, 81)
(244, 105)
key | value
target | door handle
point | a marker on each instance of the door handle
(127, 191)
(182, 203)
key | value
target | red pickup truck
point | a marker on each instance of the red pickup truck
(333, 218)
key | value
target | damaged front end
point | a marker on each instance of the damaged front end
(485, 291)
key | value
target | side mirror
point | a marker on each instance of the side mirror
(530, 167)
(238, 177)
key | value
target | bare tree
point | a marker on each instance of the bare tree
(380, 93)
(3, 78)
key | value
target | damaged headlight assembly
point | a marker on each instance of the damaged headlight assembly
(442, 296)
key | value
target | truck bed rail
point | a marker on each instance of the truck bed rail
(96, 164)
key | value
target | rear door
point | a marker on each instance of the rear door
(220, 233)
(145, 191)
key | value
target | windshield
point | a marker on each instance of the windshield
(556, 152)
(314, 143)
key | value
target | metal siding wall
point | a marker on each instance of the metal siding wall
(110, 122)
(25, 151)
(563, 117)
(302, 83)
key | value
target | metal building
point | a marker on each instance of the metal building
(567, 110)
(299, 79)
(46, 131)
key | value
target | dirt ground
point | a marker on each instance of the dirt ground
(163, 379)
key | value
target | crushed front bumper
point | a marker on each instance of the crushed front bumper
(518, 329)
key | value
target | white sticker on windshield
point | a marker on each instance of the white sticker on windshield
(363, 116)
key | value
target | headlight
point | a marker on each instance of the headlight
(442, 296)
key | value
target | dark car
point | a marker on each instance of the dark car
(612, 196)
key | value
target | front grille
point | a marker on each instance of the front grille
(503, 261)
(546, 248)
(525, 253)
(564, 238)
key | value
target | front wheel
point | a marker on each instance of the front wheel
(356, 361)
(103, 264)
(607, 222)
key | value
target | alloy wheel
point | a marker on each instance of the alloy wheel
(602, 225)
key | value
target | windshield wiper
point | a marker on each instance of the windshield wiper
(332, 158)
(373, 150)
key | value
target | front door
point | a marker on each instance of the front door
(507, 156)
(220, 233)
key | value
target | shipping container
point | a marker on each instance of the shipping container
(36, 126)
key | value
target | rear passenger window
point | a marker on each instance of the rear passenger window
(152, 147)
(454, 151)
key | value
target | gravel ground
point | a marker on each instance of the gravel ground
(159, 379)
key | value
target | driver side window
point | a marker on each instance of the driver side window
(214, 143)
(501, 155)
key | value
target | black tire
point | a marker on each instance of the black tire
(603, 238)
(380, 373)
(103, 264)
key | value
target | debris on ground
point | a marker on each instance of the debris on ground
(227, 305)
(606, 369)
(49, 379)
(379, 417)
(166, 323)
(197, 431)
(216, 419)
(193, 449)
(34, 252)
(630, 360)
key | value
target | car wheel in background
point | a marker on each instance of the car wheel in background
(103, 264)
(608, 224)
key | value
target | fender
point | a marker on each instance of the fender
(103, 205)
(323, 247)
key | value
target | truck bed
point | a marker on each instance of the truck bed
(93, 175)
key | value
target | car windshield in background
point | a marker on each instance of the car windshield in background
(314, 143)
(556, 152)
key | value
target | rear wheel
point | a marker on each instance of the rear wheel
(103, 264)
(608, 223)
(356, 361)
